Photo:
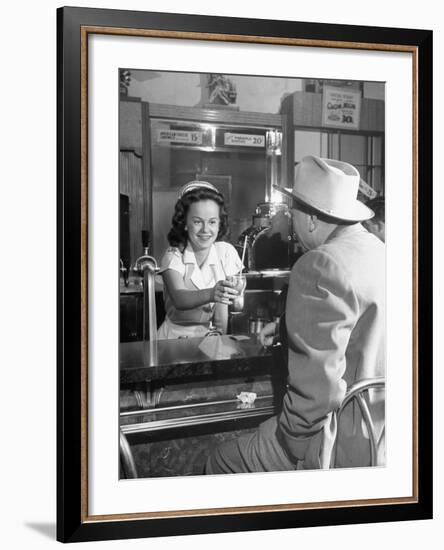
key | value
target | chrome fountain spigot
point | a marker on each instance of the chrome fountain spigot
(145, 262)
(147, 267)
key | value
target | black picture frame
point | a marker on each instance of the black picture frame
(73, 522)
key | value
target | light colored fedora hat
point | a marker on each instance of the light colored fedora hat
(330, 187)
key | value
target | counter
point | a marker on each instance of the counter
(190, 357)
(187, 398)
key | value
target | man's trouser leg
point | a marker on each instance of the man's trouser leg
(256, 452)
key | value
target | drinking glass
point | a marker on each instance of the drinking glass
(239, 282)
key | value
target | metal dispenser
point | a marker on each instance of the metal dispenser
(269, 245)
(147, 267)
(268, 238)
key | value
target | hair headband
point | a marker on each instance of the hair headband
(192, 185)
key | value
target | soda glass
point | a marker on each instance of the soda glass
(239, 282)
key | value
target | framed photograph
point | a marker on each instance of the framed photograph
(244, 274)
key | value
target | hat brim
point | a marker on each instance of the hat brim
(359, 212)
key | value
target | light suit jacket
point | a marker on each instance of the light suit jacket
(335, 318)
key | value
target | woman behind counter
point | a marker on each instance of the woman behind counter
(197, 264)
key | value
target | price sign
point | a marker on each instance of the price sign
(179, 136)
(244, 140)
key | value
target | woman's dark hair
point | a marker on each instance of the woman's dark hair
(177, 235)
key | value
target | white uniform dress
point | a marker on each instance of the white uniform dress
(221, 262)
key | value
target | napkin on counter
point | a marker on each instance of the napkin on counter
(217, 347)
(247, 399)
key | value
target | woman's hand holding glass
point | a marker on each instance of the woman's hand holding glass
(223, 292)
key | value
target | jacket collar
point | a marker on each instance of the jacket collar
(345, 230)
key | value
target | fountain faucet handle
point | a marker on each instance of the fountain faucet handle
(146, 262)
(145, 240)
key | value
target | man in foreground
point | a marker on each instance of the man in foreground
(335, 324)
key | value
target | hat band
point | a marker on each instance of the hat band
(350, 202)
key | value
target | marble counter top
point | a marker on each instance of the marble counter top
(217, 356)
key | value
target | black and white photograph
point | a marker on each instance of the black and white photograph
(243, 211)
(222, 275)
(252, 273)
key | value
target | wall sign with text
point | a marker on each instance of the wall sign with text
(341, 107)
(179, 136)
(244, 140)
(366, 189)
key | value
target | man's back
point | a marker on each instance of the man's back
(335, 318)
(335, 324)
